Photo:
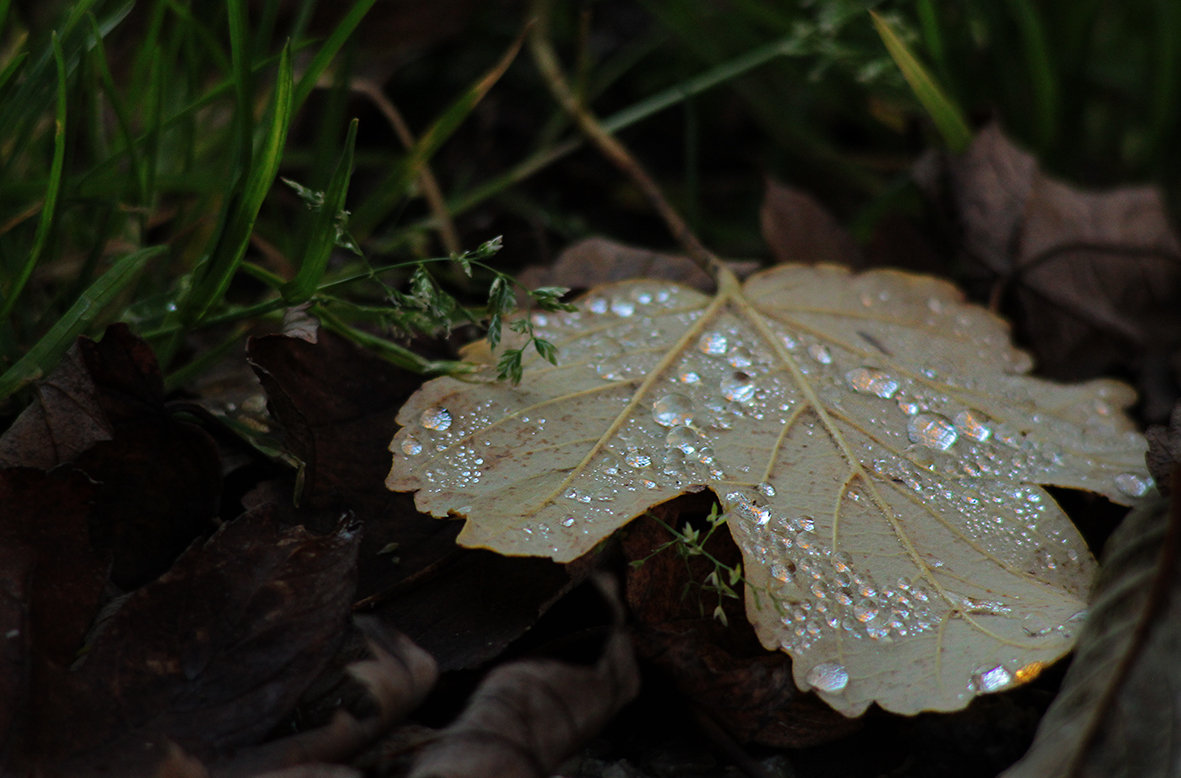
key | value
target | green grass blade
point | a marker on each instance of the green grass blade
(323, 234)
(394, 188)
(932, 36)
(122, 118)
(1042, 78)
(46, 352)
(328, 51)
(244, 210)
(948, 118)
(11, 68)
(243, 91)
(49, 207)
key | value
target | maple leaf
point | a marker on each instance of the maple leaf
(874, 442)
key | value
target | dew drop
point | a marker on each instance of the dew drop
(1131, 484)
(410, 446)
(740, 356)
(992, 679)
(688, 377)
(738, 387)
(1036, 623)
(637, 458)
(820, 353)
(908, 406)
(932, 430)
(972, 424)
(712, 343)
(865, 610)
(621, 307)
(436, 419)
(672, 410)
(568, 521)
(766, 489)
(828, 677)
(842, 561)
(598, 305)
(869, 381)
(683, 438)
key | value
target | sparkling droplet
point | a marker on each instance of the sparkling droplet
(411, 446)
(598, 305)
(738, 387)
(972, 424)
(908, 406)
(932, 430)
(842, 561)
(992, 679)
(869, 381)
(712, 343)
(740, 356)
(684, 438)
(623, 307)
(637, 458)
(1036, 623)
(865, 610)
(688, 377)
(820, 353)
(672, 410)
(436, 419)
(1131, 484)
(828, 677)
(568, 521)
(767, 489)
(780, 572)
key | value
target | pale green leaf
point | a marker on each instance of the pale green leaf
(874, 440)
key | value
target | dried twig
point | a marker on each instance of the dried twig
(551, 70)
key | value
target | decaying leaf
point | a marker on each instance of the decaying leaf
(1118, 709)
(527, 716)
(797, 228)
(873, 439)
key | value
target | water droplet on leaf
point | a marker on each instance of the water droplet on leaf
(991, 679)
(738, 387)
(411, 446)
(436, 419)
(869, 381)
(931, 430)
(1131, 484)
(828, 677)
(672, 410)
(712, 343)
(972, 424)
(820, 353)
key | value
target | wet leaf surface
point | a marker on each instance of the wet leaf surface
(1118, 708)
(209, 656)
(874, 440)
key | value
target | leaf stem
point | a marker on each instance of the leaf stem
(546, 59)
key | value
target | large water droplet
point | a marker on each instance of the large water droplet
(767, 489)
(828, 677)
(637, 458)
(932, 430)
(1131, 484)
(411, 446)
(740, 356)
(672, 410)
(686, 439)
(972, 424)
(621, 307)
(436, 419)
(820, 353)
(869, 381)
(991, 679)
(738, 387)
(865, 610)
(712, 343)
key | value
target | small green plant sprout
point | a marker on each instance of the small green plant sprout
(690, 542)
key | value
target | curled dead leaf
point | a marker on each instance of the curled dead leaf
(1118, 708)
(527, 716)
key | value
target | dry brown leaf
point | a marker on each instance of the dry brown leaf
(799, 229)
(1096, 275)
(527, 716)
(1118, 710)
(874, 441)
